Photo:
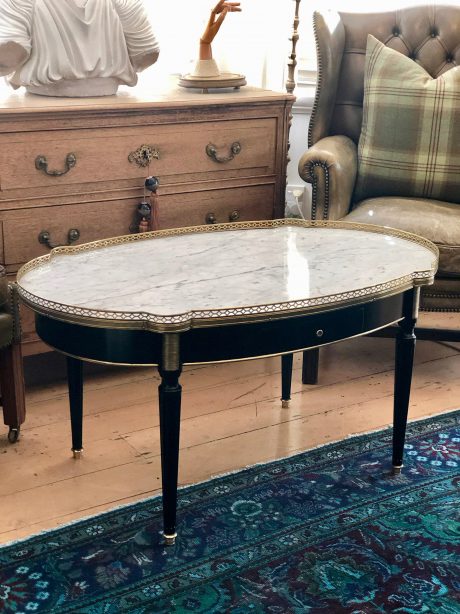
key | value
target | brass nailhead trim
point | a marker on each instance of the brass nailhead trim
(313, 179)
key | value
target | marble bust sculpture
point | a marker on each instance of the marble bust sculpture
(74, 47)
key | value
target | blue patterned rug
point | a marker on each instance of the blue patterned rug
(321, 532)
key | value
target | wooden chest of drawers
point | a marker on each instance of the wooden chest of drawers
(70, 164)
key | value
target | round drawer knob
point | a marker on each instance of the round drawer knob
(319, 333)
(73, 235)
(234, 216)
(211, 218)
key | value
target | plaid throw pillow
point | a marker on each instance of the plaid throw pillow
(410, 136)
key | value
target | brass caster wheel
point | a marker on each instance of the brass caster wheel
(396, 470)
(13, 434)
(169, 540)
(285, 403)
(77, 454)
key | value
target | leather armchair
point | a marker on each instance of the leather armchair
(11, 368)
(430, 35)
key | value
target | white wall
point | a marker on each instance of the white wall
(298, 139)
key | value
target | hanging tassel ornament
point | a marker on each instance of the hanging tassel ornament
(144, 211)
(151, 184)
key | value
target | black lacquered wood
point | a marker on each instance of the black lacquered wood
(221, 343)
(100, 344)
(170, 403)
(75, 385)
(310, 366)
(404, 360)
(286, 376)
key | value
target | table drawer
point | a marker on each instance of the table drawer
(204, 149)
(240, 341)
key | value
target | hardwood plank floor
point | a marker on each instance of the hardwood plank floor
(231, 418)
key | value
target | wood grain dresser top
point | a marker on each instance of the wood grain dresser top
(168, 94)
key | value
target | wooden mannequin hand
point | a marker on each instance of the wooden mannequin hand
(218, 15)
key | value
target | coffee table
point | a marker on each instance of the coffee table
(222, 293)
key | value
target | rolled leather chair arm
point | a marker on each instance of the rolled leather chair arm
(330, 165)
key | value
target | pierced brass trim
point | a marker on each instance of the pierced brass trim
(41, 164)
(206, 318)
(143, 155)
(235, 226)
(212, 318)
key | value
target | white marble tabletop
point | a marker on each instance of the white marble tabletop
(226, 273)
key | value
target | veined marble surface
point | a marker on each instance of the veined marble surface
(201, 274)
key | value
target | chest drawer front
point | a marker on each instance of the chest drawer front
(204, 149)
(217, 206)
(93, 222)
(114, 218)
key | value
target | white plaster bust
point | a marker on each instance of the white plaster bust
(74, 47)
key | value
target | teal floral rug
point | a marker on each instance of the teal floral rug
(325, 531)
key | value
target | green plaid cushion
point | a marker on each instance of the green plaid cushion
(410, 137)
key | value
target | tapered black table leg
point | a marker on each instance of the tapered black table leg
(169, 393)
(75, 383)
(310, 366)
(286, 378)
(404, 360)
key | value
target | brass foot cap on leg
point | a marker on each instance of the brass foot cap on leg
(285, 403)
(77, 453)
(169, 540)
(396, 470)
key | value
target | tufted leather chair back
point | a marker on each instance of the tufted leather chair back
(430, 35)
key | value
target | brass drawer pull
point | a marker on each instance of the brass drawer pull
(45, 238)
(234, 216)
(41, 164)
(144, 155)
(211, 218)
(211, 151)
